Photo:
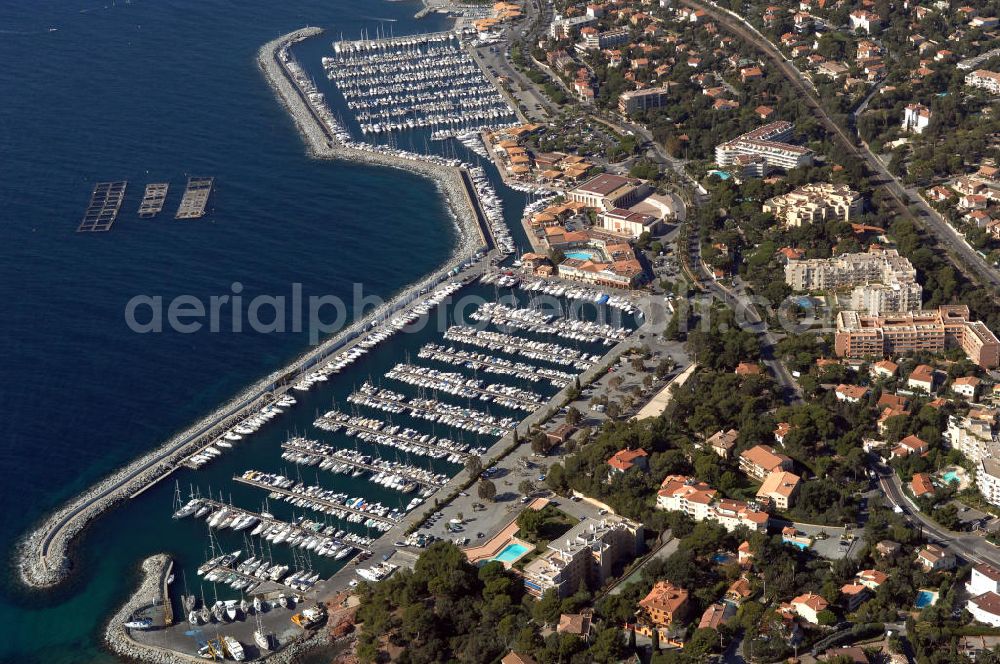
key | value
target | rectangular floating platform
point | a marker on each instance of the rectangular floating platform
(105, 201)
(195, 198)
(153, 199)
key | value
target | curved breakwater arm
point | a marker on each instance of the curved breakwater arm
(43, 555)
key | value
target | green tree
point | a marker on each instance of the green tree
(547, 608)
(487, 490)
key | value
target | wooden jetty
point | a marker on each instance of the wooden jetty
(328, 504)
(195, 198)
(327, 452)
(105, 202)
(153, 199)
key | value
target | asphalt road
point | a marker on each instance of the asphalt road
(749, 319)
(973, 548)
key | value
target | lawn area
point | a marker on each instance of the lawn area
(542, 526)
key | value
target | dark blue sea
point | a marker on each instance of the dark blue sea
(149, 91)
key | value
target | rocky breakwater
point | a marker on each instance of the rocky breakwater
(149, 593)
(43, 555)
(326, 139)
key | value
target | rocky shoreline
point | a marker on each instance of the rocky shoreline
(43, 555)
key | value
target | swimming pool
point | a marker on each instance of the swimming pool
(721, 558)
(579, 255)
(925, 598)
(722, 175)
(951, 476)
(511, 552)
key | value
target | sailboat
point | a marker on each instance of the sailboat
(262, 638)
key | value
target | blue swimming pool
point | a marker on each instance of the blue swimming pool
(722, 175)
(951, 476)
(925, 598)
(511, 552)
(721, 558)
(802, 546)
(580, 255)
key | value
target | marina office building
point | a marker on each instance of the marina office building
(608, 191)
(588, 552)
(860, 336)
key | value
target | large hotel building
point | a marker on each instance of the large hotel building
(861, 336)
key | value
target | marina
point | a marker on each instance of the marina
(244, 428)
(371, 430)
(515, 345)
(105, 202)
(400, 84)
(458, 385)
(325, 501)
(392, 474)
(433, 410)
(532, 320)
(495, 365)
(153, 199)
(312, 535)
(195, 198)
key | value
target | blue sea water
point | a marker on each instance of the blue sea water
(151, 91)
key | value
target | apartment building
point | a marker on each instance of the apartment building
(760, 460)
(587, 552)
(884, 281)
(636, 101)
(817, 202)
(699, 501)
(988, 480)
(973, 435)
(593, 41)
(564, 27)
(766, 143)
(861, 336)
(780, 489)
(984, 79)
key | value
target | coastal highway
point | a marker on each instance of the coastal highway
(961, 253)
(973, 548)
